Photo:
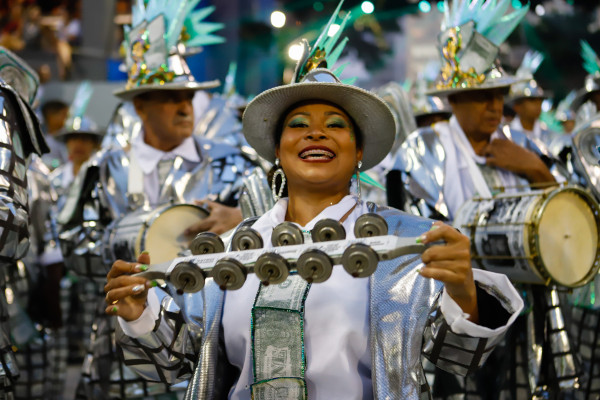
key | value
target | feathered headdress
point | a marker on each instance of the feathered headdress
(472, 31)
(77, 122)
(591, 63)
(563, 109)
(314, 80)
(528, 87)
(162, 32)
(424, 104)
(326, 50)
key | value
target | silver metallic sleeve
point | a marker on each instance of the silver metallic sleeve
(168, 353)
(14, 237)
(460, 354)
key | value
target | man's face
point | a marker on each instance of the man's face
(479, 112)
(81, 148)
(528, 109)
(167, 115)
(56, 120)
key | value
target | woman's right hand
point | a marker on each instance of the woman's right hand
(125, 294)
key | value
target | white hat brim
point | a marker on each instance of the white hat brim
(129, 94)
(370, 113)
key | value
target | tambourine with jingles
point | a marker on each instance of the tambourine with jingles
(542, 237)
(313, 261)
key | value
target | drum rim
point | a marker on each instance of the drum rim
(140, 243)
(531, 229)
(534, 239)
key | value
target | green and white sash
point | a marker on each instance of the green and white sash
(277, 329)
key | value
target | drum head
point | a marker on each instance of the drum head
(165, 238)
(568, 238)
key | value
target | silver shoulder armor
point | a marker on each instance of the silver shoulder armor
(18, 139)
(421, 160)
(29, 129)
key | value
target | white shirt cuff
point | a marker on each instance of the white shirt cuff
(458, 320)
(145, 323)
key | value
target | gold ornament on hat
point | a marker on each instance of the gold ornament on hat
(139, 68)
(452, 76)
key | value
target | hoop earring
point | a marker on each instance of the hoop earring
(358, 166)
(278, 173)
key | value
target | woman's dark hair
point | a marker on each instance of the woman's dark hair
(279, 131)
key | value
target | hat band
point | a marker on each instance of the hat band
(175, 69)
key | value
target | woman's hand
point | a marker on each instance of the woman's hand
(126, 294)
(451, 264)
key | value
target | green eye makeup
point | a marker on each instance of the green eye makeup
(336, 122)
(298, 122)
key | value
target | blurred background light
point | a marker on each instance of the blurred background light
(295, 52)
(277, 19)
(367, 7)
(425, 6)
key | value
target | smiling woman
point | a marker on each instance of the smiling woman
(336, 338)
(344, 337)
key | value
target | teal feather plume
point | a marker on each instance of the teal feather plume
(81, 100)
(530, 64)
(489, 16)
(179, 14)
(565, 104)
(591, 62)
(331, 46)
(229, 87)
(366, 179)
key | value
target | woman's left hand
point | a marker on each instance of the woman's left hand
(451, 264)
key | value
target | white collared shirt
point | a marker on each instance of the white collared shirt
(148, 157)
(68, 175)
(535, 134)
(460, 177)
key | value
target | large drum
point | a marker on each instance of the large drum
(158, 231)
(543, 236)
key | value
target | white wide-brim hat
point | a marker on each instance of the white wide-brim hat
(129, 94)
(369, 112)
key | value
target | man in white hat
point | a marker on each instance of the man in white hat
(451, 162)
(165, 164)
(526, 98)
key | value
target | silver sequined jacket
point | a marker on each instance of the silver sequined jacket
(20, 136)
(98, 196)
(421, 162)
(405, 318)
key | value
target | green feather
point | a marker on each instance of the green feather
(591, 63)
(366, 179)
(81, 100)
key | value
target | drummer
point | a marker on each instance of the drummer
(355, 338)
(165, 164)
(471, 156)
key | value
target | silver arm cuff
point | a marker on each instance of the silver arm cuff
(166, 354)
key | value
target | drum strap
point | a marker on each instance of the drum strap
(135, 181)
(277, 328)
(463, 144)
